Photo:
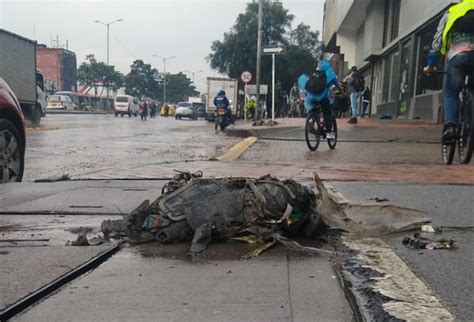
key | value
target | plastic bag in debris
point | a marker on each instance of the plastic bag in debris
(418, 242)
(205, 209)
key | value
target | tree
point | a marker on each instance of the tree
(178, 88)
(237, 51)
(91, 73)
(140, 82)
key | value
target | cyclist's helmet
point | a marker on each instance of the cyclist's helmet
(221, 93)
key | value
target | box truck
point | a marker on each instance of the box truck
(18, 69)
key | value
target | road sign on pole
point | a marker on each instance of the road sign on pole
(273, 50)
(246, 76)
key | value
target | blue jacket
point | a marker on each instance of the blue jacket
(331, 80)
(221, 100)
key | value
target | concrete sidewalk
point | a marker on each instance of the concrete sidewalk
(39, 220)
(370, 130)
(152, 282)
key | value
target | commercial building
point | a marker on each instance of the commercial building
(59, 68)
(389, 41)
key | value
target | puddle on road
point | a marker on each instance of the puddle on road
(228, 250)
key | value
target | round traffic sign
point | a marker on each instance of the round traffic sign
(246, 76)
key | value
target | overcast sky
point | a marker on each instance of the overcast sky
(184, 29)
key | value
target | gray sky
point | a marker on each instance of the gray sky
(184, 29)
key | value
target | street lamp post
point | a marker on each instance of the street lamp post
(196, 72)
(108, 29)
(164, 74)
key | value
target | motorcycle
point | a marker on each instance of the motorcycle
(222, 119)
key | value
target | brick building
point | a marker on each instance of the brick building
(59, 68)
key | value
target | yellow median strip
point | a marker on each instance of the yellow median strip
(42, 128)
(237, 150)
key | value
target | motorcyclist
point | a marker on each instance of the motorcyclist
(221, 100)
(455, 39)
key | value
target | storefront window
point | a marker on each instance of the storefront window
(426, 84)
(405, 65)
(387, 63)
(391, 76)
(395, 76)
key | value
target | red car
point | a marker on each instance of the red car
(12, 136)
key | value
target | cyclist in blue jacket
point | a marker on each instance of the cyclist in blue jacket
(324, 98)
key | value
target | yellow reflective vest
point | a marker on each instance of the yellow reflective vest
(455, 12)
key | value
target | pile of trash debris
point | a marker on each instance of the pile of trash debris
(201, 210)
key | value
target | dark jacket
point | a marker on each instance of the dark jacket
(221, 100)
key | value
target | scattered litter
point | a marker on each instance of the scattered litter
(80, 230)
(64, 177)
(385, 116)
(81, 240)
(265, 123)
(377, 199)
(96, 241)
(418, 242)
(201, 210)
(428, 229)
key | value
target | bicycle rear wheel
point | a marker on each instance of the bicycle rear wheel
(465, 142)
(447, 150)
(332, 134)
(312, 132)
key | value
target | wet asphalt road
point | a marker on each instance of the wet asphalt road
(79, 144)
(82, 144)
(448, 272)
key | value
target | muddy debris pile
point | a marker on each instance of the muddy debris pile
(201, 210)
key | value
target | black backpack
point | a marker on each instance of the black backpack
(317, 82)
(358, 82)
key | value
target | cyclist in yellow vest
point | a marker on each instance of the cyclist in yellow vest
(455, 40)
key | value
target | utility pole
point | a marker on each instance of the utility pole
(259, 57)
(164, 74)
(108, 31)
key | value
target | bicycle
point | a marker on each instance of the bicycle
(463, 132)
(315, 129)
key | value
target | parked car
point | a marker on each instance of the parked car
(185, 109)
(12, 136)
(126, 105)
(60, 102)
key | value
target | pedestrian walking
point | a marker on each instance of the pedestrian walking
(355, 81)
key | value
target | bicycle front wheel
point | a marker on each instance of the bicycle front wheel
(465, 142)
(312, 132)
(447, 149)
(332, 134)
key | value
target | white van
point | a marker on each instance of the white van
(126, 105)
